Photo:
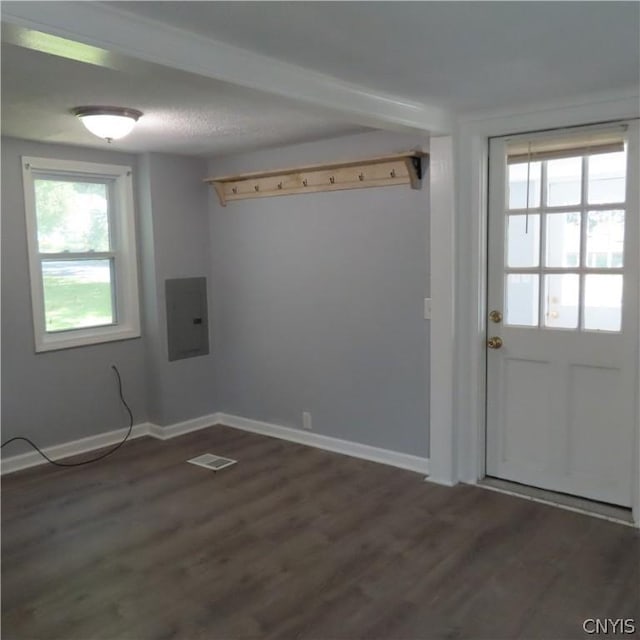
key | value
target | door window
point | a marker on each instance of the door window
(564, 249)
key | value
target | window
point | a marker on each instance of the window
(81, 236)
(565, 262)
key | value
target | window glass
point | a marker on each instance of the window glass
(77, 294)
(523, 241)
(71, 216)
(607, 173)
(522, 299)
(564, 181)
(518, 185)
(603, 302)
(561, 295)
(562, 247)
(605, 239)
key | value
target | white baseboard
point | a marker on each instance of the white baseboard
(444, 483)
(345, 447)
(180, 428)
(59, 451)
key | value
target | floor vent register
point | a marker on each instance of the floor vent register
(210, 461)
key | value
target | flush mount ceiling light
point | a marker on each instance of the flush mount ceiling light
(109, 123)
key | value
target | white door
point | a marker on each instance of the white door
(562, 348)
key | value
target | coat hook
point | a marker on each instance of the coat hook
(361, 177)
(332, 180)
(304, 182)
(279, 185)
(393, 173)
(257, 187)
(234, 189)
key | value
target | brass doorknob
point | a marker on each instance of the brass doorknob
(494, 343)
(495, 316)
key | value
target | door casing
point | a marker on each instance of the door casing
(471, 250)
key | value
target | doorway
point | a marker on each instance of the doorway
(562, 303)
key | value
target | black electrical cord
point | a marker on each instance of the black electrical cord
(102, 455)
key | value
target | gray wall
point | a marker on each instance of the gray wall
(55, 396)
(315, 305)
(58, 396)
(175, 237)
(319, 301)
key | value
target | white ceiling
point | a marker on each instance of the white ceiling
(452, 57)
(465, 56)
(184, 113)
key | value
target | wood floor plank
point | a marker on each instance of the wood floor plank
(295, 542)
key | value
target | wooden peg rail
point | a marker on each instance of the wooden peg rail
(381, 171)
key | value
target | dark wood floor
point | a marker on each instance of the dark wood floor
(294, 542)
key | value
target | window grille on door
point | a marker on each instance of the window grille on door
(564, 247)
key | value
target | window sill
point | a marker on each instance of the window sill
(84, 337)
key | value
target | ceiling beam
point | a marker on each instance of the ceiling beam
(124, 33)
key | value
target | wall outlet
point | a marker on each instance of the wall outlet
(427, 308)
(306, 421)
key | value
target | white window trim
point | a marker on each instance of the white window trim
(124, 241)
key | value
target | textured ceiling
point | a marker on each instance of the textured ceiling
(184, 113)
(461, 55)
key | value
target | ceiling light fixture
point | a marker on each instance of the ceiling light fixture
(109, 123)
